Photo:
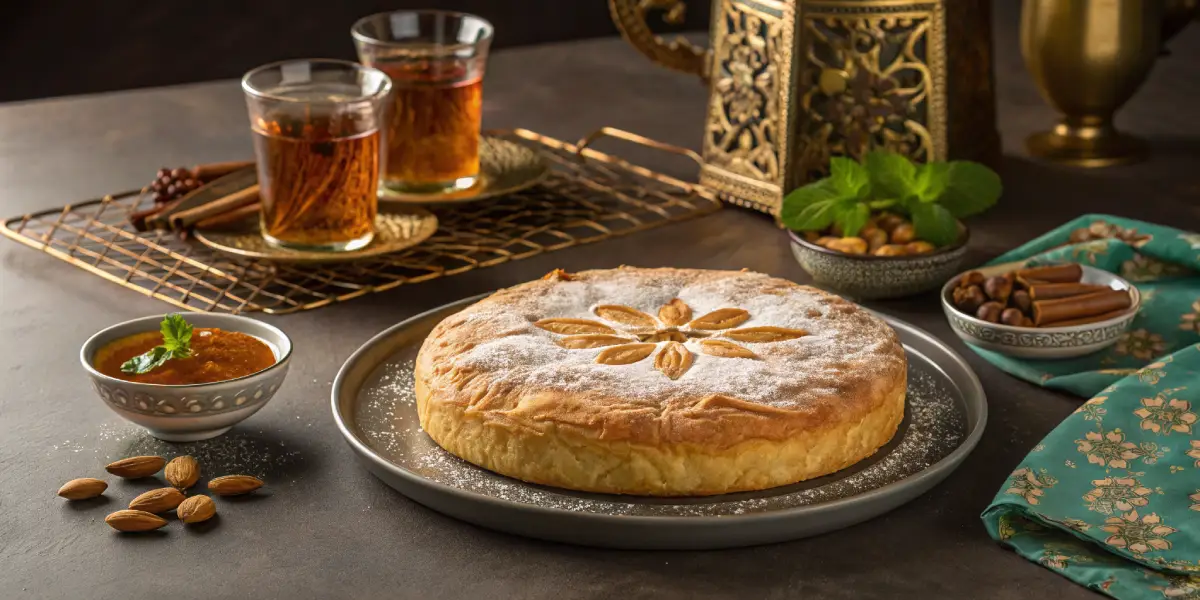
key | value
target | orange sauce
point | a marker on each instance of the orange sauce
(217, 355)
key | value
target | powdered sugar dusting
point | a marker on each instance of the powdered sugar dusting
(934, 425)
(843, 343)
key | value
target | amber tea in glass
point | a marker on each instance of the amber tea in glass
(317, 141)
(436, 62)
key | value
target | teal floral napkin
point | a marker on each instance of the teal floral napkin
(1164, 264)
(1111, 498)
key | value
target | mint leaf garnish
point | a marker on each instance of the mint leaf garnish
(850, 179)
(811, 207)
(893, 176)
(933, 194)
(934, 224)
(852, 217)
(177, 335)
(177, 338)
(970, 188)
(931, 181)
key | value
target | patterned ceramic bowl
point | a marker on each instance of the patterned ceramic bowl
(865, 277)
(188, 413)
(1044, 342)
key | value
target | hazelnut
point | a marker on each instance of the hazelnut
(1022, 301)
(919, 247)
(849, 245)
(875, 238)
(971, 278)
(998, 288)
(824, 241)
(888, 221)
(969, 299)
(1014, 317)
(903, 233)
(990, 311)
(890, 250)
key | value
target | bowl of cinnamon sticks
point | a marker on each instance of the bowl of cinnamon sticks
(1050, 312)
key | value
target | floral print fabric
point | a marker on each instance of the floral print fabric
(1111, 497)
(1164, 264)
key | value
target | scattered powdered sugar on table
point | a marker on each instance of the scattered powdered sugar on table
(241, 451)
(934, 425)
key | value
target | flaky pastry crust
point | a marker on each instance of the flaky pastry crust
(666, 382)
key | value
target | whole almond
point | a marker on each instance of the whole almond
(196, 509)
(134, 520)
(156, 501)
(232, 485)
(182, 472)
(136, 467)
(82, 488)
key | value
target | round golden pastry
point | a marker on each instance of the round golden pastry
(661, 382)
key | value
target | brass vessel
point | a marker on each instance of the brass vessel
(1088, 57)
(794, 82)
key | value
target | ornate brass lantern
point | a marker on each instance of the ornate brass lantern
(794, 82)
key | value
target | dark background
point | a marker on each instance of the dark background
(60, 47)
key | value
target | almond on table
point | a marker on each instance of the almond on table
(136, 467)
(157, 501)
(134, 521)
(196, 509)
(234, 485)
(82, 488)
(183, 472)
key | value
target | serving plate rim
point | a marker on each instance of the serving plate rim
(972, 398)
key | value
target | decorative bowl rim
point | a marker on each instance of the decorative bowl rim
(949, 307)
(964, 236)
(285, 350)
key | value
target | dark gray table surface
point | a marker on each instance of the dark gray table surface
(325, 528)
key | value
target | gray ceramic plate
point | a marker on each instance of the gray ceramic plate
(374, 407)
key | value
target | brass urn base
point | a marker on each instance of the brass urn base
(1086, 145)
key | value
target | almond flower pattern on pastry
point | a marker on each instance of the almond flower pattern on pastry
(634, 335)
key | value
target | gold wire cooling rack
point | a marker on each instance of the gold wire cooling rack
(589, 196)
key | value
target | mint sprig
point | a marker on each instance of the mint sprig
(933, 195)
(177, 343)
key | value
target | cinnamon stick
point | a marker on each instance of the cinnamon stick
(1050, 291)
(186, 218)
(206, 193)
(233, 217)
(1068, 273)
(1047, 312)
(144, 220)
(1092, 319)
(209, 172)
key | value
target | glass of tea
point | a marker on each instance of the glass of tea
(317, 140)
(436, 61)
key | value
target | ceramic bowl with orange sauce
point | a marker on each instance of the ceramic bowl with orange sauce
(236, 365)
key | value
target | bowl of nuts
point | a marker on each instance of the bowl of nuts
(885, 259)
(1051, 312)
(886, 227)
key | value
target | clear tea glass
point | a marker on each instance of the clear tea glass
(436, 61)
(317, 140)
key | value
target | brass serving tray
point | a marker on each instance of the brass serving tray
(588, 196)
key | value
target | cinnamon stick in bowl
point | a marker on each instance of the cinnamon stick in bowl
(1068, 273)
(1051, 312)
(1051, 291)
